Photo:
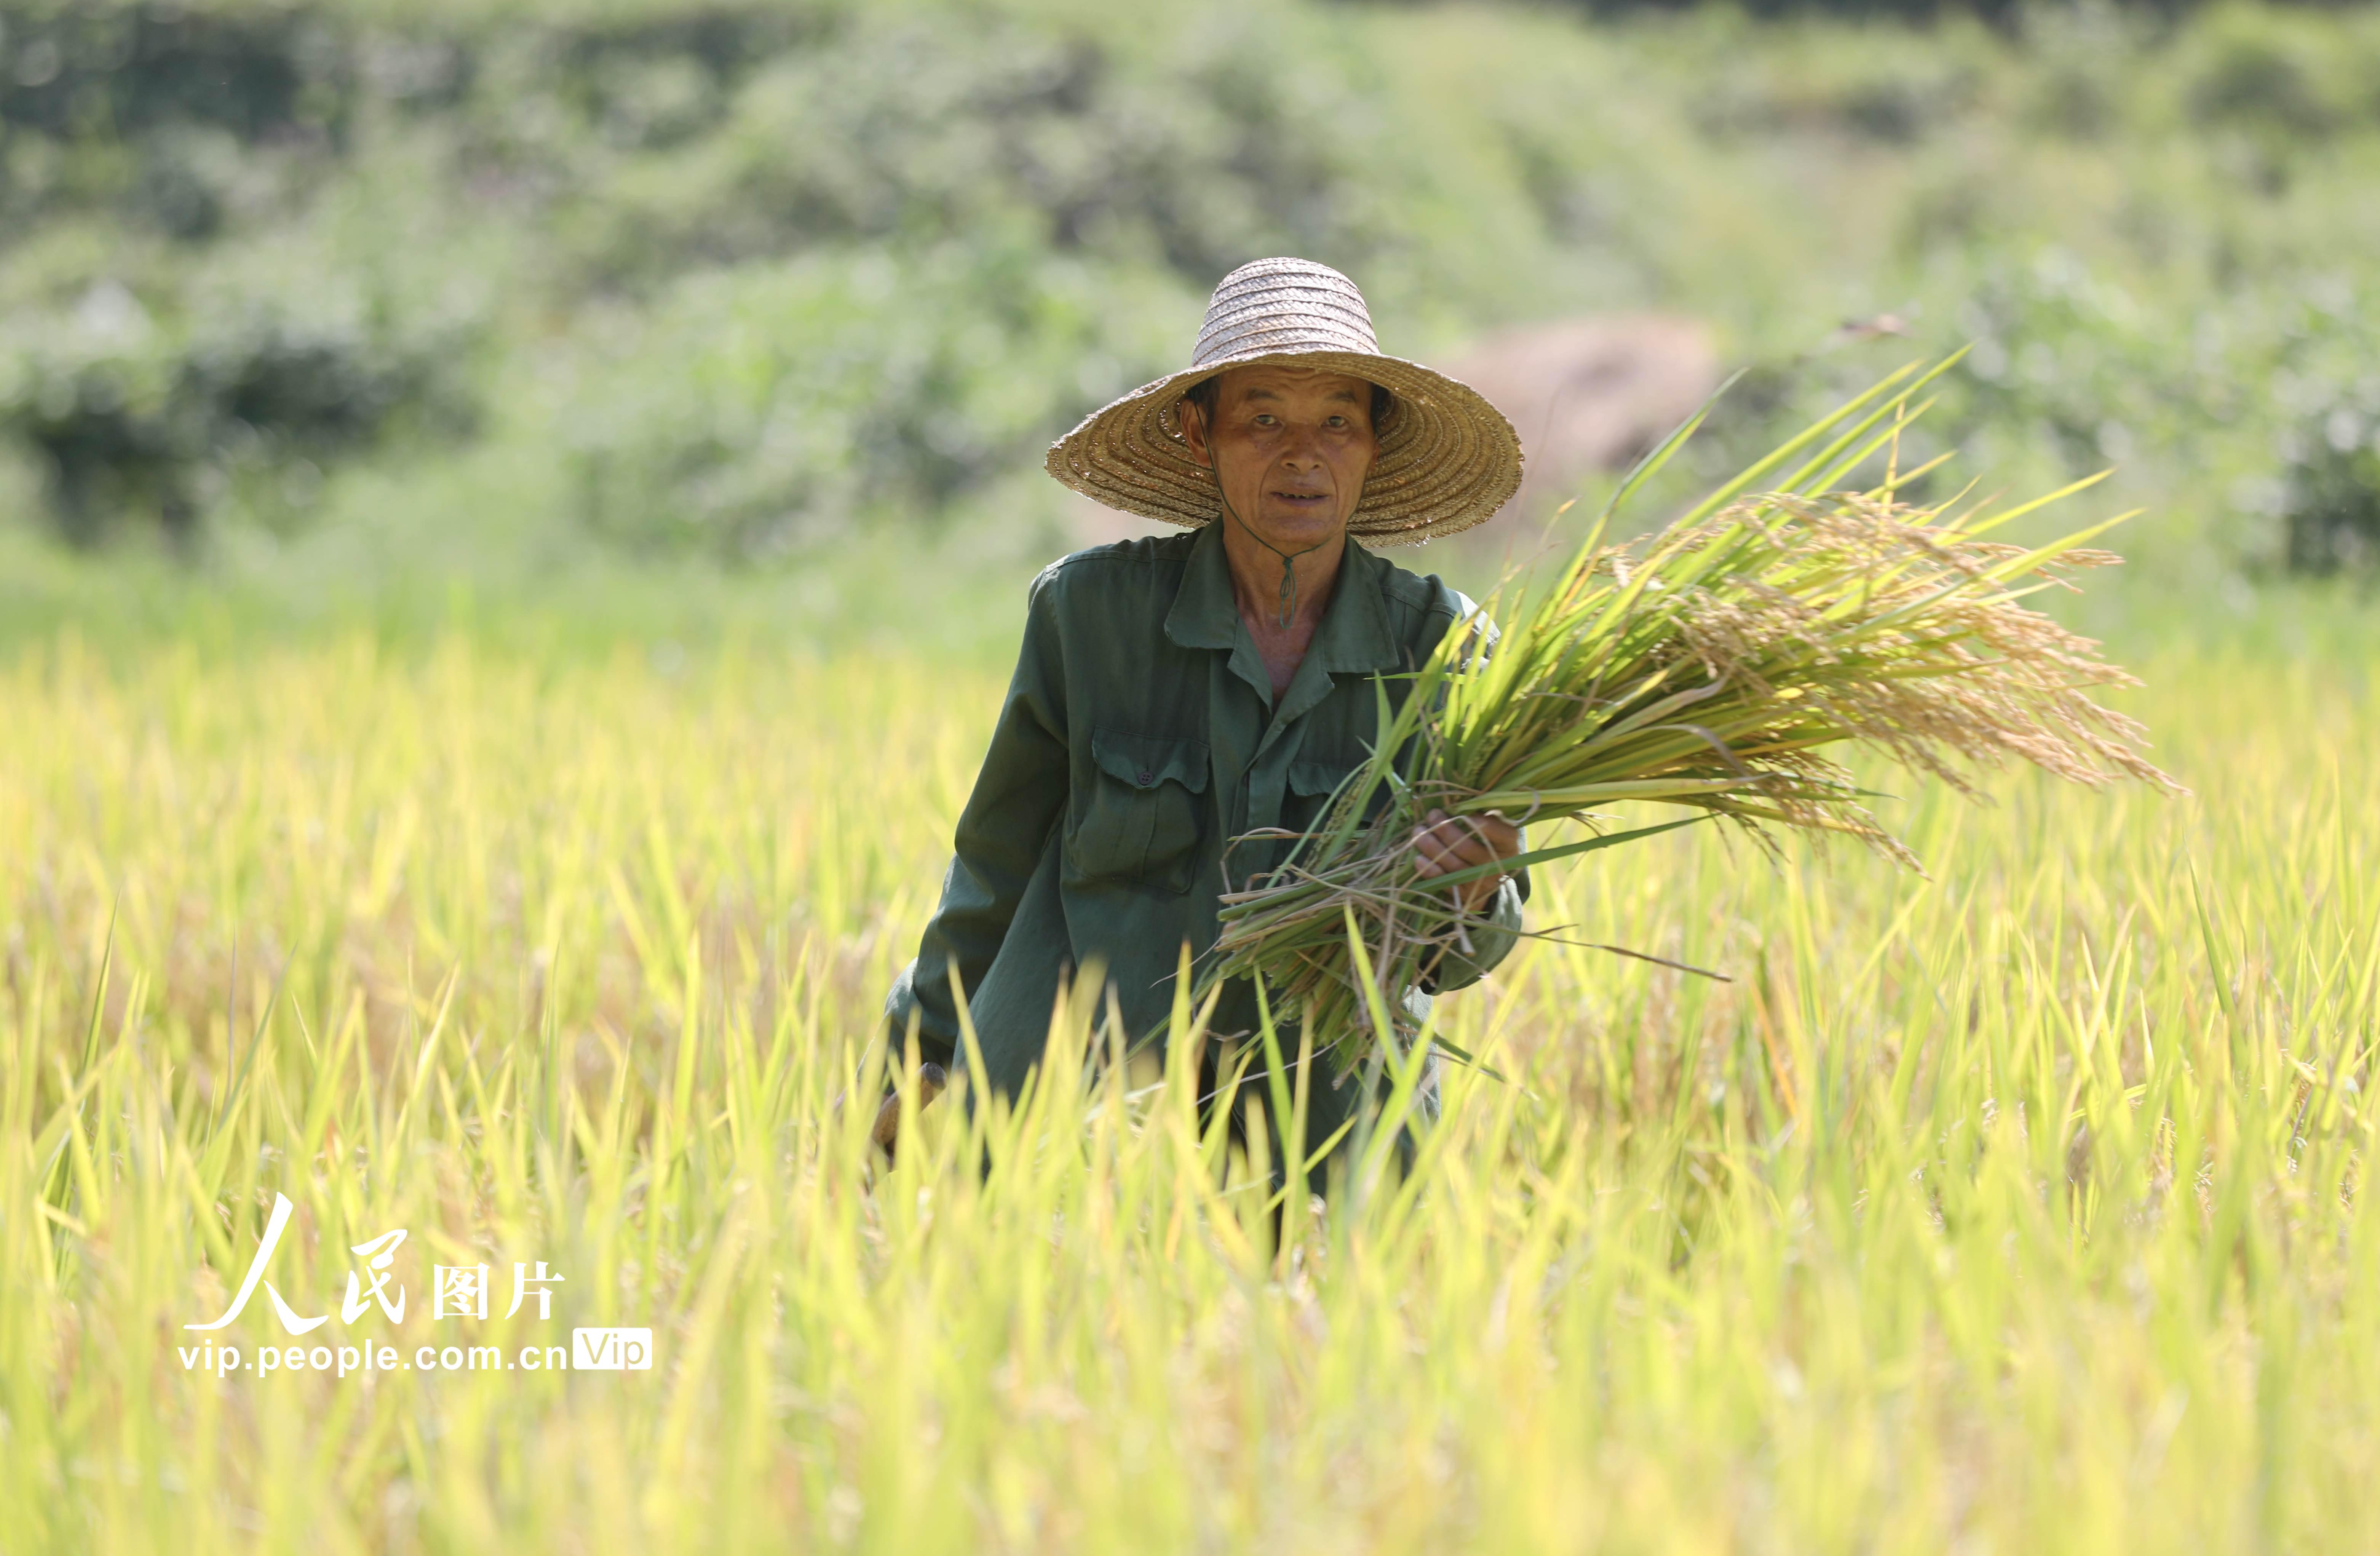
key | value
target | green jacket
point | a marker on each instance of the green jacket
(1137, 740)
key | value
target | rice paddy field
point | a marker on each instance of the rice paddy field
(2021, 1207)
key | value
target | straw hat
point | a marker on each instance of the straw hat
(1448, 459)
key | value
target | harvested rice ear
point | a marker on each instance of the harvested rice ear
(932, 1081)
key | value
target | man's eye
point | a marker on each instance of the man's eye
(1336, 422)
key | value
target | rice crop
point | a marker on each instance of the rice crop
(1718, 665)
(2014, 1208)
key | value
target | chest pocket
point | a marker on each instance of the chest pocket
(1315, 781)
(1312, 782)
(1144, 814)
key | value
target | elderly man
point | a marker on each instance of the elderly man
(1175, 696)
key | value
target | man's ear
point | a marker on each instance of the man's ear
(1194, 431)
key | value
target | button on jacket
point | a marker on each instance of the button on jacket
(1139, 737)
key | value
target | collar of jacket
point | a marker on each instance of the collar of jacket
(1352, 640)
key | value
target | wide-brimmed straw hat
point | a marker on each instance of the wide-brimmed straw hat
(1448, 459)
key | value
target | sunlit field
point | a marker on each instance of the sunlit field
(2020, 1208)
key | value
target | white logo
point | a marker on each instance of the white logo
(612, 1350)
(456, 1293)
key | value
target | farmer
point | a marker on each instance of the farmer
(1174, 694)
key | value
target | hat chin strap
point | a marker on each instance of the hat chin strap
(1288, 559)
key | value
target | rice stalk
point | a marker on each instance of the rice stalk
(1719, 666)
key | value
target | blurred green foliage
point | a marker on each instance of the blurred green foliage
(245, 393)
(760, 407)
(418, 278)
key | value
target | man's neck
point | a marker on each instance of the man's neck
(1258, 574)
(1258, 571)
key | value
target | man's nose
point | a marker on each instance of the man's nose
(1304, 449)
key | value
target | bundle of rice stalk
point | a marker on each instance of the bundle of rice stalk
(1716, 666)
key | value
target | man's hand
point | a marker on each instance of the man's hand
(1446, 843)
(932, 1082)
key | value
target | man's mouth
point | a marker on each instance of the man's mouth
(1303, 499)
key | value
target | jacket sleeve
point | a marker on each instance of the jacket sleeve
(1019, 798)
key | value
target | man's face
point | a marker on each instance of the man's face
(1291, 448)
